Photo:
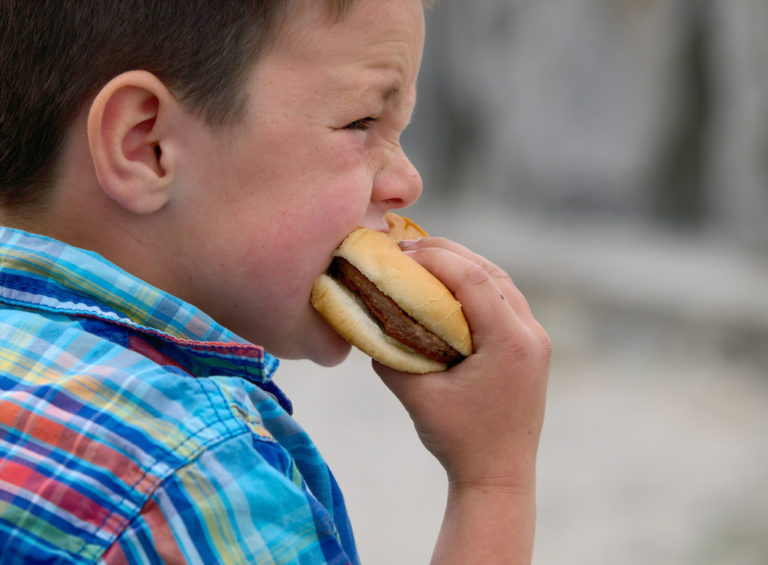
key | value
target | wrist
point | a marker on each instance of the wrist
(490, 521)
(518, 476)
(493, 487)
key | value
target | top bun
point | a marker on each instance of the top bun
(417, 291)
(401, 228)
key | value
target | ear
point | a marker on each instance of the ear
(129, 138)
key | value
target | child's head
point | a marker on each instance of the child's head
(225, 183)
(57, 54)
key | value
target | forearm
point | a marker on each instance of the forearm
(487, 525)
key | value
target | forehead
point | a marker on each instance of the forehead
(371, 38)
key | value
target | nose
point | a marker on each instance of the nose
(397, 184)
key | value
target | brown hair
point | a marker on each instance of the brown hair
(56, 54)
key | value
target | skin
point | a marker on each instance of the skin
(240, 221)
(306, 167)
(482, 419)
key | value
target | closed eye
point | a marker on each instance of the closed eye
(362, 124)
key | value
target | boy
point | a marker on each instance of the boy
(173, 180)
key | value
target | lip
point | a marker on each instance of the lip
(382, 226)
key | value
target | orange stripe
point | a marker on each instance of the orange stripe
(164, 539)
(55, 492)
(8, 413)
(59, 436)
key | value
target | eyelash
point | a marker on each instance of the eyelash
(361, 125)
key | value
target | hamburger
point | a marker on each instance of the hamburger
(388, 305)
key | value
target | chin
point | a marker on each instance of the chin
(331, 360)
(321, 345)
(330, 351)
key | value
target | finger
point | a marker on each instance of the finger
(490, 311)
(502, 277)
(507, 287)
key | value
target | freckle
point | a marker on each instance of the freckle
(502, 297)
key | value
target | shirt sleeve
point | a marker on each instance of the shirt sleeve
(242, 501)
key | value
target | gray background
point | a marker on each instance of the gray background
(612, 155)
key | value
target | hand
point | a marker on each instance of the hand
(482, 418)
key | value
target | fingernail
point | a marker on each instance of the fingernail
(407, 243)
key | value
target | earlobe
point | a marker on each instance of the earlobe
(128, 136)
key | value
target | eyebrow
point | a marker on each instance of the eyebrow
(385, 91)
(389, 91)
(392, 90)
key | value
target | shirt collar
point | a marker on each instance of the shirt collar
(41, 273)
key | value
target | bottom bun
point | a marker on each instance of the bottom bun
(349, 317)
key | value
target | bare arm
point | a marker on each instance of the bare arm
(482, 419)
(486, 525)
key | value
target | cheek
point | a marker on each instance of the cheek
(330, 196)
(298, 198)
(350, 150)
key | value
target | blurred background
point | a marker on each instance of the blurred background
(612, 155)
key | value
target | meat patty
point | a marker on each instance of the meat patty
(393, 320)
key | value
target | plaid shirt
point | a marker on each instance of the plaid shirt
(134, 429)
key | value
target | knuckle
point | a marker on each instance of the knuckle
(477, 275)
(499, 273)
(519, 347)
(534, 343)
(544, 340)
